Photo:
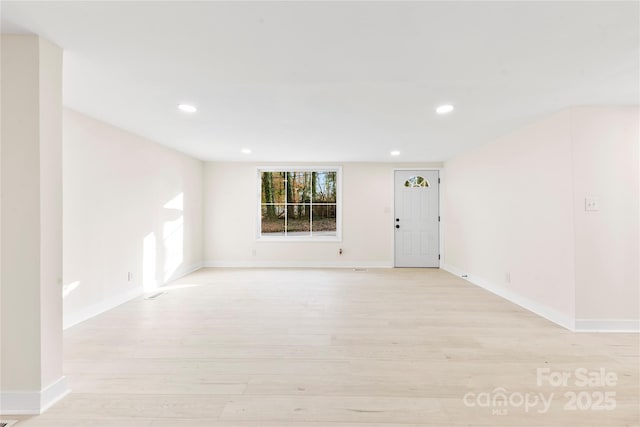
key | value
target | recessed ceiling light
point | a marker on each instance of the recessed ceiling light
(444, 109)
(187, 108)
(246, 151)
(395, 153)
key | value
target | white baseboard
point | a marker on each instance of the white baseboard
(297, 264)
(71, 319)
(608, 325)
(540, 309)
(183, 271)
(33, 402)
(576, 325)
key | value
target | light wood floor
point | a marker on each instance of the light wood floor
(296, 347)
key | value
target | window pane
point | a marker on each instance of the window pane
(324, 220)
(298, 220)
(324, 187)
(273, 187)
(280, 186)
(272, 220)
(298, 187)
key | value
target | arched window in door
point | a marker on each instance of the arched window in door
(416, 182)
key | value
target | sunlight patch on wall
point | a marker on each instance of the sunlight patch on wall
(149, 281)
(176, 203)
(173, 233)
(68, 288)
(173, 236)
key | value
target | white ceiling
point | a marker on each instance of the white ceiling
(335, 81)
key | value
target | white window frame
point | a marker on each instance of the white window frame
(312, 238)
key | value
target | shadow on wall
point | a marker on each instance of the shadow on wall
(160, 262)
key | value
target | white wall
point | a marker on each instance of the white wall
(606, 166)
(21, 348)
(31, 337)
(130, 206)
(231, 197)
(515, 219)
(50, 86)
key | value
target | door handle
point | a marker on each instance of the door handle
(397, 226)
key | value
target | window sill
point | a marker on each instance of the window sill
(297, 239)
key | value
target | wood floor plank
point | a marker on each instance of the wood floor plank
(129, 406)
(335, 409)
(332, 348)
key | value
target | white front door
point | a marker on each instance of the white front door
(416, 219)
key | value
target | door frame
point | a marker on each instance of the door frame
(440, 171)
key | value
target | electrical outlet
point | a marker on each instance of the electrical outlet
(129, 276)
(340, 251)
(591, 204)
(507, 277)
(253, 252)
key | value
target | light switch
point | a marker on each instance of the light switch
(591, 204)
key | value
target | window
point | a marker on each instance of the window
(299, 204)
(416, 181)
